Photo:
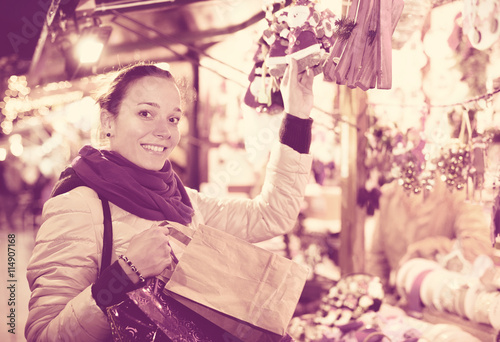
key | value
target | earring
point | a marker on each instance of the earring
(108, 134)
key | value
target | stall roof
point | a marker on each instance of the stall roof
(43, 32)
(151, 29)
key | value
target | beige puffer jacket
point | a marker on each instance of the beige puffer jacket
(67, 253)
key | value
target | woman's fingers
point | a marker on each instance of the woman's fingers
(306, 78)
(296, 90)
(150, 250)
(293, 70)
(286, 76)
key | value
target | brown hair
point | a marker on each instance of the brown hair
(113, 97)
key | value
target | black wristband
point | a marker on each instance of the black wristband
(111, 287)
(296, 133)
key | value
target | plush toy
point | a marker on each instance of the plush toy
(303, 31)
(263, 93)
(276, 36)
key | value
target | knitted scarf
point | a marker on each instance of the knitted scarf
(152, 195)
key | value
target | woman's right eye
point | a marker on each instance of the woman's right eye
(145, 113)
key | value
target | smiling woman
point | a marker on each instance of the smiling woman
(145, 128)
(140, 116)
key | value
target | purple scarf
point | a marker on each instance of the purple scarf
(153, 195)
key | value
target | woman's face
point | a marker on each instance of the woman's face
(146, 130)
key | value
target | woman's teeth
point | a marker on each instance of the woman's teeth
(154, 148)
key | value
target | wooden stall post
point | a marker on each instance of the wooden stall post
(193, 153)
(353, 107)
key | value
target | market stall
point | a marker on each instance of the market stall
(406, 95)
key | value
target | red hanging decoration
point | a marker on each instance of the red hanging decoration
(364, 59)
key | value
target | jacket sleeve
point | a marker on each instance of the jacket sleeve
(63, 266)
(472, 229)
(274, 211)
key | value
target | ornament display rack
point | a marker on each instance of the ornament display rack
(483, 332)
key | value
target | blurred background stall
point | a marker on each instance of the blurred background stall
(442, 56)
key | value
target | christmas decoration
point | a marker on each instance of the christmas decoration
(338, 316)
(303, 31)
(481, 22)
(453, 164)
(362, 53)
(407, 157)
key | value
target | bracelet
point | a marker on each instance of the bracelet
(124, 258)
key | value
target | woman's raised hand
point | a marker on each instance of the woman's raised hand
(296, 90)
(149, 252)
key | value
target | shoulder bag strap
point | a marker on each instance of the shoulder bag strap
(107, 243)
(68, 180)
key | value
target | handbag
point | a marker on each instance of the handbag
(153, 316)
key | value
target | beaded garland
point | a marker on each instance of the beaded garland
(453, 165)
(414, 167)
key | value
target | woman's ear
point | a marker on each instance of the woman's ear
(107, 122)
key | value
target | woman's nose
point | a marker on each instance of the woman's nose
(162, 131)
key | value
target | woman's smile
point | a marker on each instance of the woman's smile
(153, 148)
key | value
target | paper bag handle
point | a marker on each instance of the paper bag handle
(180, 233)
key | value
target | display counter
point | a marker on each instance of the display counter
(481, 331)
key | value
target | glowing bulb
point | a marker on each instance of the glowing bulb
(89, 50)
(16, 149)
(15, 139)
(163, 65)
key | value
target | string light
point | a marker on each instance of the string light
(478, 99)
(3, 154)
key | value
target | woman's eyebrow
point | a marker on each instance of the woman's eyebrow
(152, 104)
(156, 105)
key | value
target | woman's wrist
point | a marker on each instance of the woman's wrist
(112, 285)
(303, 116)
(296, 133)
(134, 278)
(131, 271)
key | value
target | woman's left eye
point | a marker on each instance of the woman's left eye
(175, 120)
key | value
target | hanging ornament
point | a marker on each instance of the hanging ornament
(453, 164)
(481, 22)
(344, 28)
(362, 53)
(303, 31)
(412, 163)
(478, 166)
(410, 177)
(427, 181)
(412, 20)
